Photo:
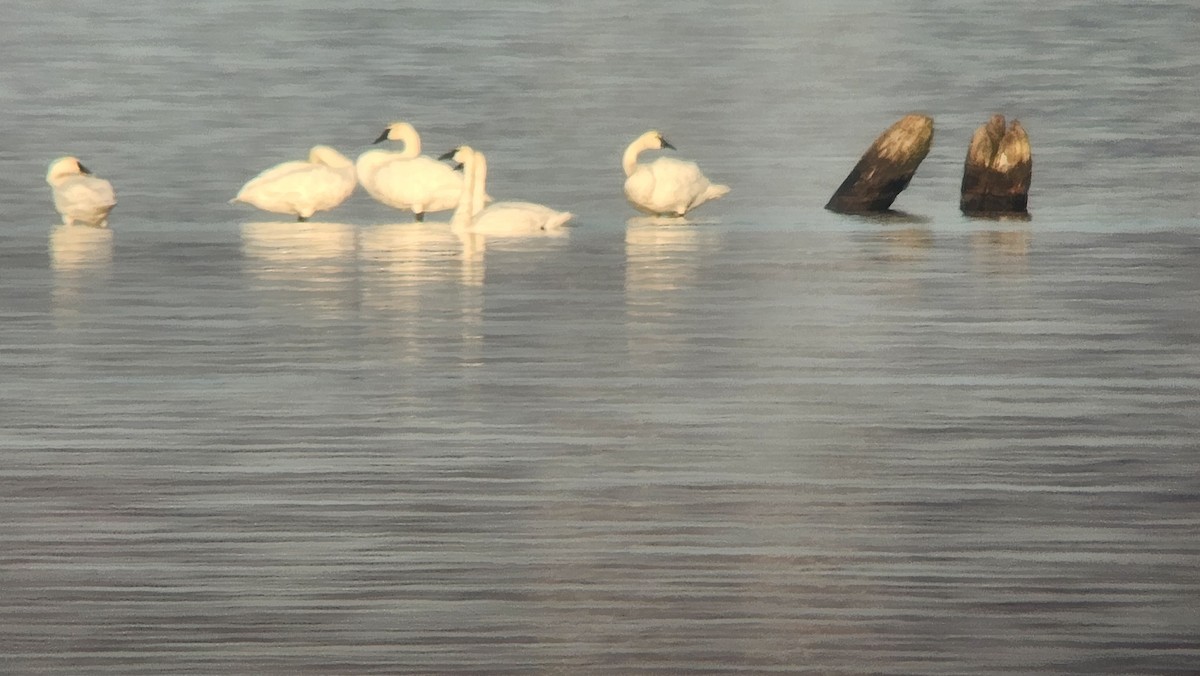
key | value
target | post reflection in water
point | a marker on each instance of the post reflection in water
(1002, 251)
(905, 243)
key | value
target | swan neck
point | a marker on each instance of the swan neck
(412, 144)
(479, 192)
(463, 212)
(629, 159)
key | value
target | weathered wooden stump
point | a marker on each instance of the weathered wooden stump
(998, 170)
(886, 168)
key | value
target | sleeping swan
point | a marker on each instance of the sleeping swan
(502, 218)
(666, 186)
(301, 187)
(408, 180)
(80, 197)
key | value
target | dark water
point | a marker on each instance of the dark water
(773, 440)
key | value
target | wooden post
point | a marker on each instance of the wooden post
(886, 168)
(998, 170)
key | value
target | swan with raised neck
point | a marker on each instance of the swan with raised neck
(501, 218)
(666, 186)
(408, 180)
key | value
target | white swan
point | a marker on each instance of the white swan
(80, 197)
(666, 186)
(408, 180)
(502, 218)
(302, 187)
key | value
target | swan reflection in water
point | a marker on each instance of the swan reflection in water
(404, 264)
(420, 279)
(663, 254)
(298, 243)
(314, 263)
(413, 254)
(664, 309)
(420, 286)
(81, 257)
(79, 247)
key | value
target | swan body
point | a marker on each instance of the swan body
(302, 187)
(80, 197)
(408, 180)
(500, 218)
(666, 186)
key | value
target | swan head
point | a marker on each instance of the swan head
(459, 154)
(397, 131)
(328, 157)
(654, 140)
(64, 167)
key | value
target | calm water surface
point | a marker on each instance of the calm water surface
(771, 440)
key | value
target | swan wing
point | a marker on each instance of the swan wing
(670, 186)
(298, 188)
(420, 182)
(270, 179)
(518, 218)
(368, 163)
(85, 192)
(85, 198)
(329, 186)
(677, 183)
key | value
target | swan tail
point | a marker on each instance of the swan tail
(559, 220)
(715, 192)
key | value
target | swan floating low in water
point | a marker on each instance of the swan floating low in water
(302, 187)
(408, 180)
(501, 218)
(80, 197)
(666, 186)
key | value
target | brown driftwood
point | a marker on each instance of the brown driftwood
(886, 168)
(998, 170)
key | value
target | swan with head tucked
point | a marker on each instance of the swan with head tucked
(666, 186)
(501, 218)
(407, 179)
(80, 197)
(302, 187)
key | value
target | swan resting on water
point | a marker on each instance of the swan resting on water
(302, 187)
(407, 179)
(501, 218)
(80, 197)
(666, 186)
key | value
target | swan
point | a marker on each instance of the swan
(408, 180)
(302, 187)
(500, 218)
(666, 186)
(80, 197)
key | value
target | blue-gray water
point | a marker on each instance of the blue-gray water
(774, 440)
